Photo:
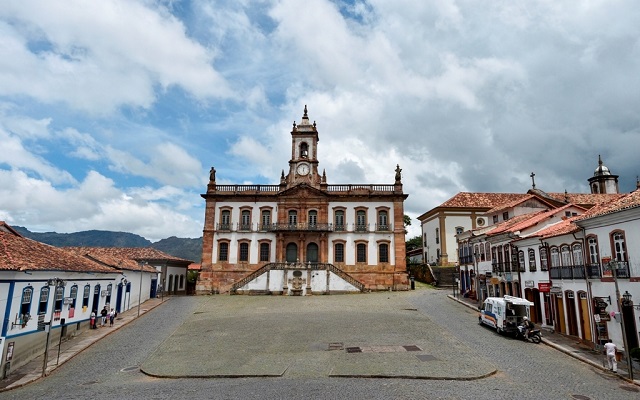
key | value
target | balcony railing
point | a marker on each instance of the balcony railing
(303, 226)
(593, 271)
(383, 227)
(621, 269)
(575, 271)
(300, 227)
(361, 228)
(466, 260)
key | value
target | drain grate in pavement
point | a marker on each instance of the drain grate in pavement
(580, 397)
(336, 346)
(90, 383)
(426, 357)
(383, 349)
(129, 369)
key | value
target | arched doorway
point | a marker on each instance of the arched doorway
(292, 252)
(312, 253)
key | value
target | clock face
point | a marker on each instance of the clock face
(303, 169)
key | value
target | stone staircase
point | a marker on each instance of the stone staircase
(298, 266)
(444, 276)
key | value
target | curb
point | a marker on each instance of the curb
(558, 347)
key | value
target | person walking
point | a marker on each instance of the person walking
(92, 321)
(104, 313)
(610, 350)
(112, 316)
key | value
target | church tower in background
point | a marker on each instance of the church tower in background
(603, 181)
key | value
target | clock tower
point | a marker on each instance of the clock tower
(303, 166)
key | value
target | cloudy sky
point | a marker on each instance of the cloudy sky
(112, 112)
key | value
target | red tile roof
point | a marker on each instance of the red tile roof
(480, 200)
(583, 199)
(561, 228)
(194, 266)
(516, 202)
(21, 254)
(506, 226)
(623, 202)
(127, 257)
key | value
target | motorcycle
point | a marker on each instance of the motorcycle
(534, 335)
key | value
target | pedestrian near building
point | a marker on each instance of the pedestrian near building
(112, 316)
(610, 351)
(92, 320)
(104, 313)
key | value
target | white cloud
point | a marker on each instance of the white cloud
(165, 162)
(14, 154)
(94, 204)
(100, 56)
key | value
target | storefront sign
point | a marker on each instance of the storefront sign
(528, 284)
(544, 287)
(600, 308)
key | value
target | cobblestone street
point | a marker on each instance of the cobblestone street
(524, 370)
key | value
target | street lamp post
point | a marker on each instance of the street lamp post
(56, 282)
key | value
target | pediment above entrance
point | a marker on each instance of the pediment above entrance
(303, 191)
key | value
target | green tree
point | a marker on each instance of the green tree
(413, 243)
(407, 222)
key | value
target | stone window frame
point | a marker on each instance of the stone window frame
(292, 212)
(263, 209)
(242, 226)
(225, 226)
(262, 242)
(220, 243)
(241, 244)
(386, 226)
(309, 214)
(364, 243)
(381, 243)
(336, 226)
(344, 246)
(358, 227)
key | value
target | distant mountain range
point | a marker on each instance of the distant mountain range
(188, 249)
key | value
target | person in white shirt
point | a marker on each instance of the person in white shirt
(610, 351)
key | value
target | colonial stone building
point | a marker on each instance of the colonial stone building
(303, 236)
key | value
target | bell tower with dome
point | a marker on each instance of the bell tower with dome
(603, 182)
